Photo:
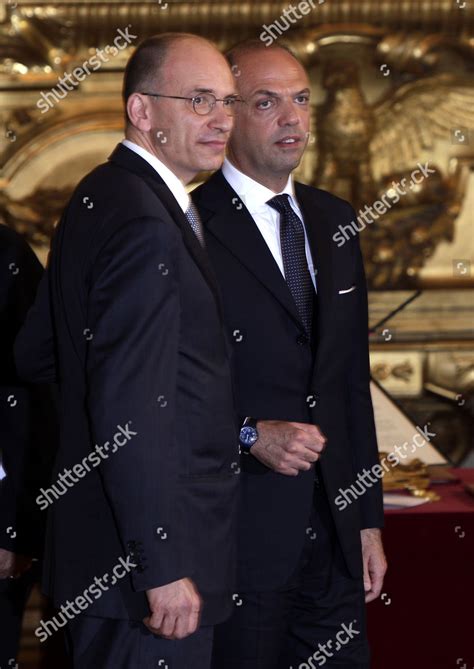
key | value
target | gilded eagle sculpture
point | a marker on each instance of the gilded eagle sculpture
(357, 141)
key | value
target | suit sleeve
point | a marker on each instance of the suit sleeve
(361, 414)
(35, 351)
(132, 364)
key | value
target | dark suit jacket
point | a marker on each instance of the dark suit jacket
(280, 374)
(28, 438)
(128, 318)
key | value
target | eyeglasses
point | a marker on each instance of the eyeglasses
(203, 104)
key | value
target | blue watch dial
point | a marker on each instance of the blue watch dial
(248, 436)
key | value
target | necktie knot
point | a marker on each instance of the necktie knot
(280, 203)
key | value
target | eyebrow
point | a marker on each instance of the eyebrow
(212, 91)
(263, 91)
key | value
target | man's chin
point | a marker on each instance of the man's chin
(288, 159)
(212, 164)
(287, 165)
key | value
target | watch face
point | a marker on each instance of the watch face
(248, 435)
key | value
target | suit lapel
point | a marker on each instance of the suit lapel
(318, 229)
(226, 218)
(131, 161)
(320, 242)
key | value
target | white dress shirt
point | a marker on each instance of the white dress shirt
(171, 180)
(267, 219)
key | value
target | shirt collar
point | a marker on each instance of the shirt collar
(253, 194)
(171, 180)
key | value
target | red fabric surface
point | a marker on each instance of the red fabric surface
(426, 617)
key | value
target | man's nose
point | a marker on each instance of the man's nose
(221, 118)
(288, 114)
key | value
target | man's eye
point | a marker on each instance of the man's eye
(199, 100)
(303, 99)
(229, 102)
(266, 104)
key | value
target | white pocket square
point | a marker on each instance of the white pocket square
(347, 290)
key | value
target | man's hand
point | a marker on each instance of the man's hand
(375, 564)
(288, 448)
(13, 565)
(175, 609)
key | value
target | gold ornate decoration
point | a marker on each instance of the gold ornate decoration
(36, 215)
(383, 371)
(392, 82)
(412, 477)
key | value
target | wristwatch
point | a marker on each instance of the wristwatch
(248, 434)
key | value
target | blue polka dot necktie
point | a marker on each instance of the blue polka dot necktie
(295, 263)
(195, 222)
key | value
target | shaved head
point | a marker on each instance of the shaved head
(272, 124)
(253, 47)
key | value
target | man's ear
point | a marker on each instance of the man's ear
(138, 111)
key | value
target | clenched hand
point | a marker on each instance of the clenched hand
(287, 447)
(175, 609)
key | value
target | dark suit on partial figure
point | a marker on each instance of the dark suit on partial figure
(28, 438)
(299, 556)
(128, 319)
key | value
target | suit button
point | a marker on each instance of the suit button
(302, 339)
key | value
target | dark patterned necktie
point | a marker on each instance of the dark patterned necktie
(295, 262)
(195, 222)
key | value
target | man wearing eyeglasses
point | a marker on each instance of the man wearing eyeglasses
(128, 322)
(296, 306)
